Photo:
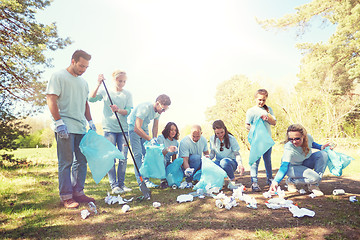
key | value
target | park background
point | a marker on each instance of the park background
(210, 57)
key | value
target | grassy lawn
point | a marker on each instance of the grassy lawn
(31, 209)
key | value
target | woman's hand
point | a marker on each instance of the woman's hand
(101, 78)
(273, 187)
(172, 149)
(264, 117)
(114, 108)
(332, 145)
(241, 169)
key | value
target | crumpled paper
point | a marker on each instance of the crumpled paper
(113, 199)
(185, 198)
(301, 212)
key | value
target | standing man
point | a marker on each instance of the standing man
(139, 120)
(67, 94)
(191, 149)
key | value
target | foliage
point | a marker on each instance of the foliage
(330, 70)
(23, 42)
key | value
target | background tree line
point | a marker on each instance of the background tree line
(325, 100)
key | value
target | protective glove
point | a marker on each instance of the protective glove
(189, 171)
(154, 141)
(92, 125)
(61, 129)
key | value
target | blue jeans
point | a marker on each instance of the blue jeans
(119, 140)
(311, 170)
(138, 149)
(229, 166)
(72, 166)
(267, 163)
(195, 163)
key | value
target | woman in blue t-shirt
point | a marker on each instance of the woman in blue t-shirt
(225, 149)
(299, 163)
(169, 137)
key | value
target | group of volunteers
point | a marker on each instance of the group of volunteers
(68, 96)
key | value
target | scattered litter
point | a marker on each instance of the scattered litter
(211, 190)
(84, 213)
(276, 203)
(185, 198)
(185, 184)
(92, 207)
(312, 195)
(338, 192)
(267, 194)
(125, 208)
(174, 186)
(156, 204)
(353, 199)
(112, 199)
(301, 212)
(219, 203)
(302, 191)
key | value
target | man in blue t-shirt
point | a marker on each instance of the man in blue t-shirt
(139, 120)
(191, 149)
(67, 94)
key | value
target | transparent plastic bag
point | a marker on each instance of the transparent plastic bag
(174, 173)
(153, 165)
(210, 174)
(337, 161)
(259, 139)
(100, 154)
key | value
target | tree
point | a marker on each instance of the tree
(23, 42)
(329, 70)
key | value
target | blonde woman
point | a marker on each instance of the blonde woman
(122, 100)
(299, 163)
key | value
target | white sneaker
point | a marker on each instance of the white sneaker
(290, 185)
(117, 190)
(126, 189)
(315, 189)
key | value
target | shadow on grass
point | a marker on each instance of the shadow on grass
(338, 218)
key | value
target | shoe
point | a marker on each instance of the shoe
(290, 185)
(126, 189)
(70, 203)
(150, 184)
(164, 184)
(269, 181)
(117, 190)
(255, 187)
(315, 189)
(232, 186)
(84, 199)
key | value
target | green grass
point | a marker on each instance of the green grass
(30, 209)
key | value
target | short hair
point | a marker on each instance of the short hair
(117, 73)
(80, 53)
(164, 100)
(167, 129)
(262, 92)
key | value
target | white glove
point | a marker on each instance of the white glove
(188, 172)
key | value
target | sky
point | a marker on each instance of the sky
(184, 49)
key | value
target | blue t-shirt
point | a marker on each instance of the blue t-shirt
(255, 112)
(227, 152)
(144, 111)
(167, 143)
(123, 100)
(72, 95)
(189, 147)
(294, 156)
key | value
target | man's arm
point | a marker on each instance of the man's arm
(155, 128)
(139, 131)
(186, 162)
(51, 100)
(87, 111)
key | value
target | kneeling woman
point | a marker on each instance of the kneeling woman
(225, 149)
(299, 163)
